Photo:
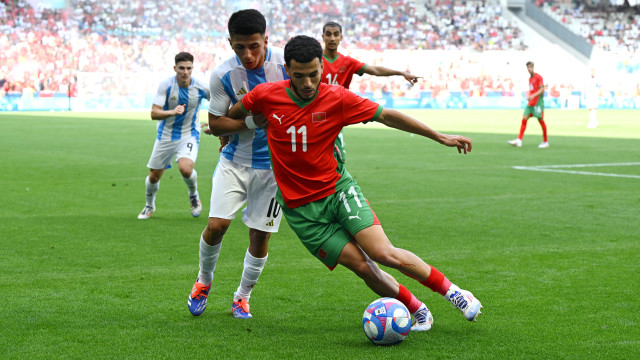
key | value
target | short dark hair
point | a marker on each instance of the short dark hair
(247, 22)
(302, 49)
(331, 24)
(183, 56)
(529, 63)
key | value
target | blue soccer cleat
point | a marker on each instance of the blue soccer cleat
(240, 309)
(198, 298)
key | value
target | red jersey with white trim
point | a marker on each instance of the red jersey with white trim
(340, 70)
(301, 135)
(535, 82)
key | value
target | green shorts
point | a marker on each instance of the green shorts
(325, 226)
(534, 111)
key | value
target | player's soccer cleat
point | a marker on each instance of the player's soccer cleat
(423, 319)
(515, 142)
(543, 145)
(196, 205)
(240, 309)
(146, 212)
(464, 301)
(198, 298)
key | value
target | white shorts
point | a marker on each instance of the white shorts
(163, 151)
(234, 185)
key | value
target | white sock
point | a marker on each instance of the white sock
(252, 269)
(192, 183)
(208, 259)
(152, 189)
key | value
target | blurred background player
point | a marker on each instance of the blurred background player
(324, 207)
(243, 174)
(534, 108)
(339, 69)
(592, 98)
(176, 105)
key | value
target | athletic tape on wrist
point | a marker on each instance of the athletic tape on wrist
(250, 124)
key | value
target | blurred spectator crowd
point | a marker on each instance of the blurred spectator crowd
(45, 49)
(113, 45)
(610, 27)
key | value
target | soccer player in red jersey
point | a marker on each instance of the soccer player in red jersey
(535, 107)
(320, 200)
(339, 69)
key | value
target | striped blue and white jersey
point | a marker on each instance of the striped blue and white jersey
(169, 96)
(229, 83)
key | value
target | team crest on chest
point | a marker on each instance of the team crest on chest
(342, 69)
(318, 117)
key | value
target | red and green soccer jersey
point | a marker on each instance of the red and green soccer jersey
(340, 70)
(535, 82)
(301, 135)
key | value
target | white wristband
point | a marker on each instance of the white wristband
(250, 124)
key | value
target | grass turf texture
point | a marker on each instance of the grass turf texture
(552, 256)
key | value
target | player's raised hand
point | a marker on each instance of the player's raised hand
(179, 110)
(461, 142)
(412, 79)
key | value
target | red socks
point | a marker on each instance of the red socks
(543, 125)
(523, 127)
(437, 282)
(408, 299)
(544, 129)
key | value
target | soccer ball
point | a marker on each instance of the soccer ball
(386, 322)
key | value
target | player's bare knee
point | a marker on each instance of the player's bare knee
(367, 270)
(186, 173)
(216, 228)
(259, 236)
(155, 175)
(363, 270)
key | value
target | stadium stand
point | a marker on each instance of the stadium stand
(615, 28)
(95, 48)
(122, 36)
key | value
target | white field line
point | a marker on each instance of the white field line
(555, 168)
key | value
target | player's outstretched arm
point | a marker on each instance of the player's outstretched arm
(400, 121)
(383, 71)
(230, 124)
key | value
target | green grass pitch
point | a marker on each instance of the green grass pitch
(553, 256)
